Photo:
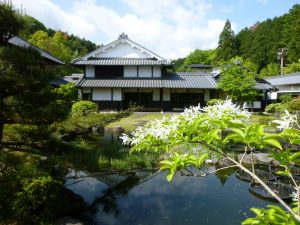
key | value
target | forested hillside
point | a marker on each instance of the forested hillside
(60, 44)
(260, 44)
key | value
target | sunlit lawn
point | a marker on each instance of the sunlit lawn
(137, 119)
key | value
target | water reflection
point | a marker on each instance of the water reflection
(147, 198)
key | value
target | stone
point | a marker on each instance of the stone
(258, 158)
(225, 162)
(118, 129)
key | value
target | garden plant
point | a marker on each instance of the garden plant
(208, 130)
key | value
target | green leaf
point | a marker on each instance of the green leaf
(170, 176)
(295, 157)
(239, 132)
(273, 142)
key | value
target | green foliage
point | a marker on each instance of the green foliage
(292, 67)
(274, 215)
(25, 94)
(26, 187)
(237, 82)
(227, 46)
(11, 22)
(276, 108)
(261, 42)
(60, 44)
(84, 108)
(31, 25)
(198, 56)
(214, 101)
(177, 162)
(34, 195)
(66, 95)
(211, 129)
(272, 69)
(294, 104)
(255, 136)
(285, 98)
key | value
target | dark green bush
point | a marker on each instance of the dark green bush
(84, 108)
(277, 108)
(35, 194)
(294, 104)
(285, 98)
(83, 124)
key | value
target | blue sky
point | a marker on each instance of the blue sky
(171, 28)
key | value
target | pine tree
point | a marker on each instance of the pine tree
(25, 94)
(227, 46)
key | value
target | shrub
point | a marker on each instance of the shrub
(276, 108)
(35, 193)
(294, 104)
(84, 108)
(214, 101)
(285, 98)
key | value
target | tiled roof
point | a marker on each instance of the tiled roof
(179, 80)
(124, 83)
(293, 78)
(25, 44)
(122, 62)
(176, 80)
(190, 80)
(263, 86)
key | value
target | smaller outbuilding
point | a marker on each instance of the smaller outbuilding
(286, 84)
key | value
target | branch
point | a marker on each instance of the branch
(267, 188)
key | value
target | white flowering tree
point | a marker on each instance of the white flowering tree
(211, 129)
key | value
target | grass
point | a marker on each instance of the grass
(137, 119)
(261, 119)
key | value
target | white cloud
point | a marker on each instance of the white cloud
(171, 28)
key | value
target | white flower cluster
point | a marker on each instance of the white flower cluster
(159, 129)
(162, 130)
(287, 121)
(226, 109)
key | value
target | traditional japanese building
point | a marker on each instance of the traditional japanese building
(123, 73)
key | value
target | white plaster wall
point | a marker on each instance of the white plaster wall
(101, 94)
(145, 71)
(130, 71)
(125, 50)
(90, 71)
(117, 94)
(156, 71)
(256, 104)
(272, 95)
(166, 95)
(156, 95)
(206, 95)
(288, 88)
(86, 90)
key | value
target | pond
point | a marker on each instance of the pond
(147, 198)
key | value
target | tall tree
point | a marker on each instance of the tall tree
(227, 46)
(237, 81)
(11, 22)
(25, 94)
